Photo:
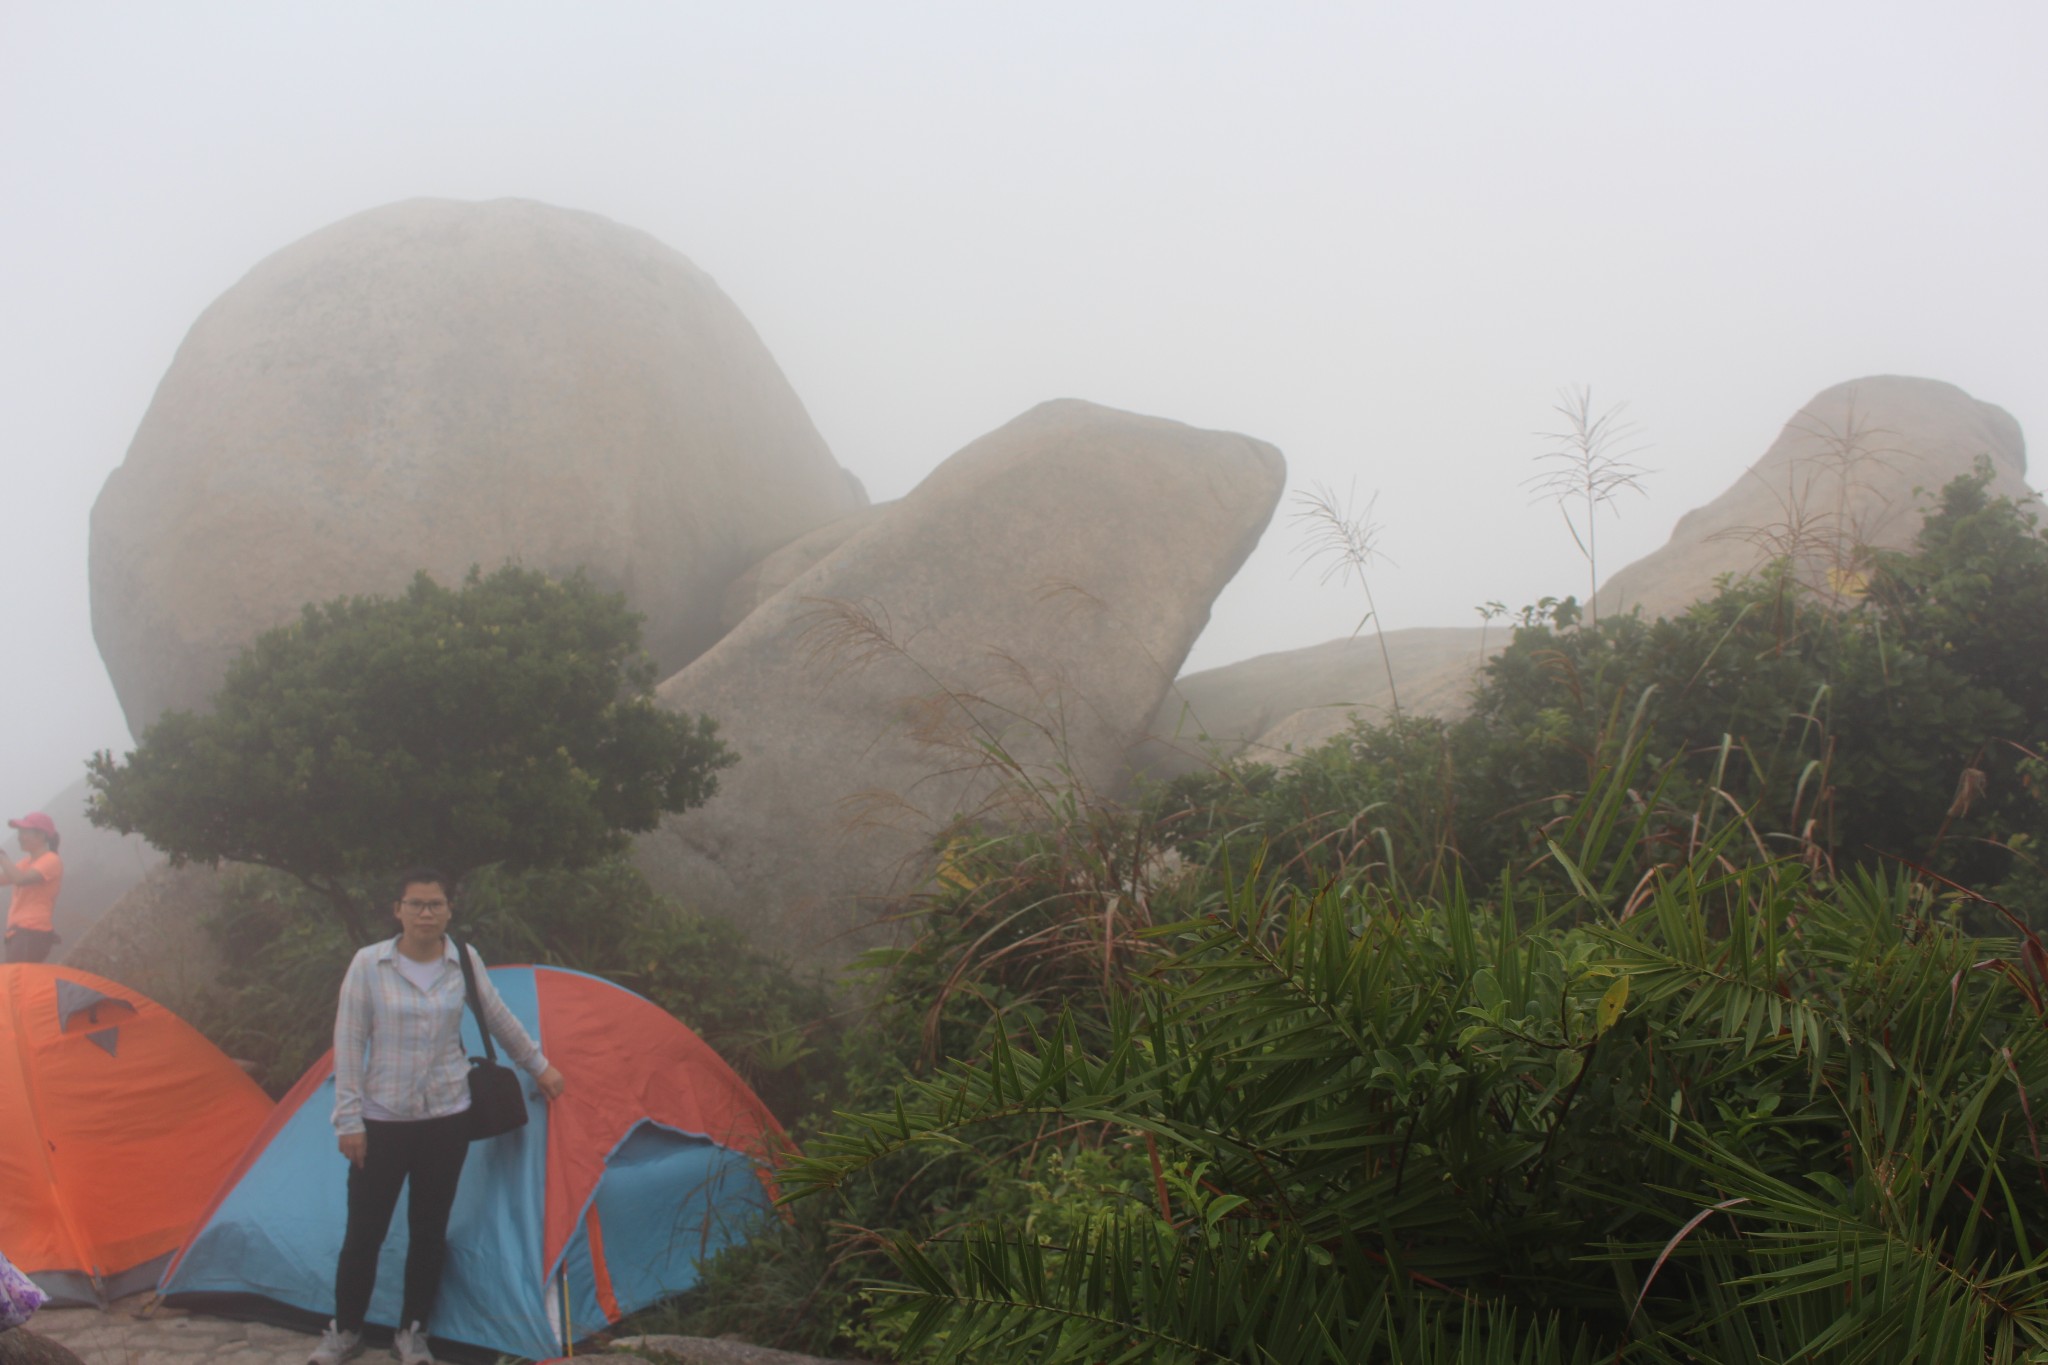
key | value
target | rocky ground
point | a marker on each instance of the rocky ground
(141, 1332)
(130, 1333)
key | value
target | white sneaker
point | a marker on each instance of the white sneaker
(410, 1346)
(336, 1346)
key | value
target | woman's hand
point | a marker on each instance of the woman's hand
(551, 1083)
(354, 1146)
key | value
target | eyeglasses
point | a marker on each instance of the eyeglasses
(424, 907)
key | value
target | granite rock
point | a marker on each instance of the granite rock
(1854, 468)
(1010, 625)
(1272, 707)
(438, 385)
(783, 567)
(155, 938)
(678, 1350)
(23, 1347)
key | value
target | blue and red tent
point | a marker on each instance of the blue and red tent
(657, 1156)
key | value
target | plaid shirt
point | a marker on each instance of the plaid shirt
(401, 1046)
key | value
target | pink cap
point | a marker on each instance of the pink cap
(36, 820)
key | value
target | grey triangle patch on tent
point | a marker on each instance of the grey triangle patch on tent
(72, 998)
(106, 1039)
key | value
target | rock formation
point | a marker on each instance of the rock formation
(1272, 707)
(1853, 468)
(435, 385)
(1034, 595)
(23, 1347)
(783, 567)
(155, 939)
(678, 1350)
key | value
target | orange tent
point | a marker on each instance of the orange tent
(117, 1121)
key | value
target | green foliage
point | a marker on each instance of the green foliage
(1382, 800)
(1017, 928)
(1897, 728)
(1618, 1019)
(510, 721)
(1972, 592)
(1387, 1115)
(272, 1007)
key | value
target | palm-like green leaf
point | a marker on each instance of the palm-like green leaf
(1427, 1128)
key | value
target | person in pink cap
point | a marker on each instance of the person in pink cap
(36, 879)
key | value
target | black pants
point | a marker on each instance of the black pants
(30, 945)
(428, 1155)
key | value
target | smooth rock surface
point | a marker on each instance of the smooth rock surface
(676, 1350)
(155, 939)
(784, 566)
(1269, 708)
(435, 385)
(24, 1347)
(139, 1332)
(1037, 592)
(1856, 466)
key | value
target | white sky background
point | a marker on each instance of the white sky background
(1380, 237)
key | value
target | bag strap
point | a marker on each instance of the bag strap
(469, 988)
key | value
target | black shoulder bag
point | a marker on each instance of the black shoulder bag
(497, 1100)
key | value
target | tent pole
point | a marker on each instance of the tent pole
(568, 1333)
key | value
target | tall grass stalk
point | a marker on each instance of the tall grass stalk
(1345, 540)
(1590, 464)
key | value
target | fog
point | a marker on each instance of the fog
(1379, 237)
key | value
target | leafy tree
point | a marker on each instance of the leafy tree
(510, 721)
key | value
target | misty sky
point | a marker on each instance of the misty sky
(1380, 237)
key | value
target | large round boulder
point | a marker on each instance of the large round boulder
(157, 938)
(435, 385)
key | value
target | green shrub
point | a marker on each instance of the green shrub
(1897, 726)
(1391, 1128)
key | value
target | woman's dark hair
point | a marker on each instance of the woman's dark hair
(413, 875)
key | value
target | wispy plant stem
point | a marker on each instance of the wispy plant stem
(1347, 543)
(1584, 466)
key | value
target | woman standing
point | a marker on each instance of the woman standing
(36, 879)
(401, 1096)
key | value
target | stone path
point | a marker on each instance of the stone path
(133, 1332)
(140, 1331)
